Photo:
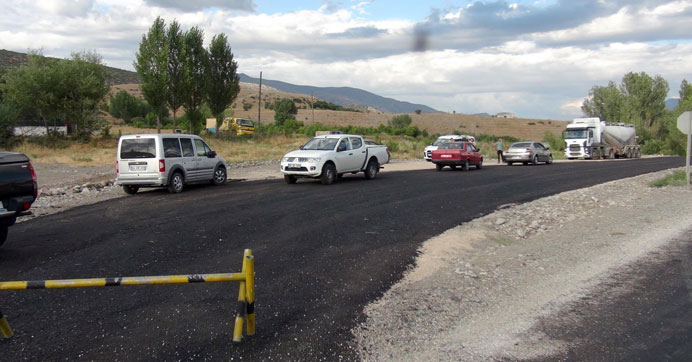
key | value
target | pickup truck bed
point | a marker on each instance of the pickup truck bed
(18, 189)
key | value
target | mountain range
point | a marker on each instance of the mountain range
(344, 96)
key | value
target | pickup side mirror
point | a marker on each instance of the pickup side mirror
(341, 148)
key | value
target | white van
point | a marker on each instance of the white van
(166, 160)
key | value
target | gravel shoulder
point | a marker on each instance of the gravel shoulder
(477, 290)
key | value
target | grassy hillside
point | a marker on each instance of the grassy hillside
(9, 59)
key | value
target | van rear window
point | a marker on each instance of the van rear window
(138, 148)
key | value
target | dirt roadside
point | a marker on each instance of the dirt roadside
(477, 290)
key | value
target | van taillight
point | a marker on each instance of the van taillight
(162, 165)
(117, 167)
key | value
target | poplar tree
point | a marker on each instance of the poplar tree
(151, 64)
(222, 81)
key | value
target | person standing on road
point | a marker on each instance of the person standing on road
(498, 146)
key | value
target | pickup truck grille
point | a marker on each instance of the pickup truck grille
(429, 153)
(296, 169)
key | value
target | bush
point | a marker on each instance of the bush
(393, 146)
(400, 121)
(8, 117)
(652, 147)
(126, 106)
(52, 140)
(556, 143)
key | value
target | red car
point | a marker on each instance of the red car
(455, 154)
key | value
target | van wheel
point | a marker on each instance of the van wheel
(130, 189)
(219, 176)
(3, 233)
(176, 183)
(290, 179)
(328, 174)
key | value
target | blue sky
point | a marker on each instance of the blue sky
(538, 59)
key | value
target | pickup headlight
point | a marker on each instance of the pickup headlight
(309, 159)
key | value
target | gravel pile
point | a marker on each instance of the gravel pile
(476, 290)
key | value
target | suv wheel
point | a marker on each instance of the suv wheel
(130, 189)
(175, 185)
(219, 176)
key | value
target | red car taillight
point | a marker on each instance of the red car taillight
(162, 165)
(35, 182)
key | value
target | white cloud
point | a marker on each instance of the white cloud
(489, 65)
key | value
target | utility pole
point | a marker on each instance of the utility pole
(259, 105)
(312, 105)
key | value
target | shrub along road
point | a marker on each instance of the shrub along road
(321, 254)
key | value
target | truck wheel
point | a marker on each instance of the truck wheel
(3, 233)
(550, 160)
(465, 165)
(372, 169)
(175, 185)
(130, 189)
(219, 176)
(290, 179)
(438, 167)
(328, 174)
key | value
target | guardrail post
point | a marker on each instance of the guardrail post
(5, 327)
(242, 303)
(250, 285)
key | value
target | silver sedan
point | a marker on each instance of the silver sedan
(526, 152)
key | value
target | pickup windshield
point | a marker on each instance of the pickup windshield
(321, 144)
(138, 148)
(575, 133)
(440, 141)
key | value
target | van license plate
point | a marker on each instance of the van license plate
(136, 168)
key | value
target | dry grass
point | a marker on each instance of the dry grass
(98, 153)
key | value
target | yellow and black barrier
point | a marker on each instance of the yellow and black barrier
(246, 295)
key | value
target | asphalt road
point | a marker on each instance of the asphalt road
(321, 254)
(642, 313)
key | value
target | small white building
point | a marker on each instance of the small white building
(505, 115)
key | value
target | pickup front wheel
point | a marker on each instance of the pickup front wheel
(290, 179)
(328, 174)
(372, 169)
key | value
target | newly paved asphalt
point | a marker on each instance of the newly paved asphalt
(643, 313)
(321, 254)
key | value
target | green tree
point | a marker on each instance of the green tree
(68, 91)
(685, 90)
(222, 81)
(8, 118)
(151, 64)
(195, 64)
(285, 110)
(607, 103)
(176, 76)
(400, 121)
(126, 106)
(646, 98)
(81, 88)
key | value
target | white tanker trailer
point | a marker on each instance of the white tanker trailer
(591, 138)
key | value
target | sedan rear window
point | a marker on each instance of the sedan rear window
(521, 145)
(138, 148)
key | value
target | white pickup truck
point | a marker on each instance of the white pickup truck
(331, 156)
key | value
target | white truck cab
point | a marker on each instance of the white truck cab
(591, 138)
